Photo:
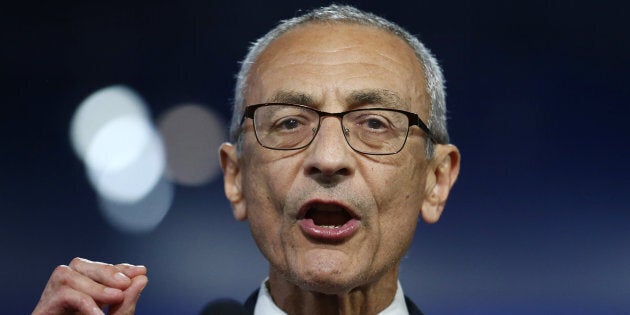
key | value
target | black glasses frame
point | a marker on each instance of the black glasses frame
(414, 120)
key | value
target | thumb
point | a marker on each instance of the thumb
(132, 294)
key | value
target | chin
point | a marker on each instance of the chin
(327, 288)
(326, 271)
(326, 282)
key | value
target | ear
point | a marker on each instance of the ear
(232, 180)
(441, 176)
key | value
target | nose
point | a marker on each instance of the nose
(329, 157)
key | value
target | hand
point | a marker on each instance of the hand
(87, 287)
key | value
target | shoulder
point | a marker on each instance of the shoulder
(250, 303)
(411, 307)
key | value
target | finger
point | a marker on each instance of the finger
(132, 294)
(60, 298)
(103, 273)
(79, 301)
(132, 271)
(65, 277)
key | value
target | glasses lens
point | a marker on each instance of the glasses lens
(285, 126)
(371, 131)
(376, 131)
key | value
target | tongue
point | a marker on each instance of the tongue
(328, 218)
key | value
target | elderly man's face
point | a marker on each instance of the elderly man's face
(330, 219)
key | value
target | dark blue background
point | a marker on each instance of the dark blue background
(538, 103)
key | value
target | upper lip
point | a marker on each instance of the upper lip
(327, 203)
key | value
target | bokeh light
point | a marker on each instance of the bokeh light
(124, 156)
(143, 215)
(125, 159)
(100, 108)
(192, 135)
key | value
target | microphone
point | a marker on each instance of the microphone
(224, 307)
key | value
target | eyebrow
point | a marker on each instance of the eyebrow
(381, 97)
(292, 97)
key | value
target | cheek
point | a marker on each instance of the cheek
(398, 189)
(267, 179)
(266, 175)
(264, 213)
(397, 184)
(397, 225)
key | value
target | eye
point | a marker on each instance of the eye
(288, 124)
(372, 122)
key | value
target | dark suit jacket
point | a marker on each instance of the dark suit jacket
(250, 304)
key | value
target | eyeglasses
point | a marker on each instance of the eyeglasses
(376, 131)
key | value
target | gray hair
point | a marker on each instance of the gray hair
(350, 15)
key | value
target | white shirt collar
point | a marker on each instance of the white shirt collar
(266, 306)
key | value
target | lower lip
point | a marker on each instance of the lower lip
(324, 233)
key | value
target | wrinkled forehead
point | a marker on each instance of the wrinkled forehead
(319, 59)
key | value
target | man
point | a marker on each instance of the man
(331, 162)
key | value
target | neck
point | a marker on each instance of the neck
(370, 298)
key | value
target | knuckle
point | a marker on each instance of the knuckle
(72, 299)
(61, 274)
(110, 270)
(76, 261)
(62, 297)
(64, 293)
(61, 269)
(84, 302)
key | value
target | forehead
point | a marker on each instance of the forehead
(331, 61)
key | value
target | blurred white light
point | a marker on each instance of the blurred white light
(125, 159)
(192, 135)
(98, 109)
(143, 215)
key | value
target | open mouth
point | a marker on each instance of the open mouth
(328, 221)
(328, 216)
